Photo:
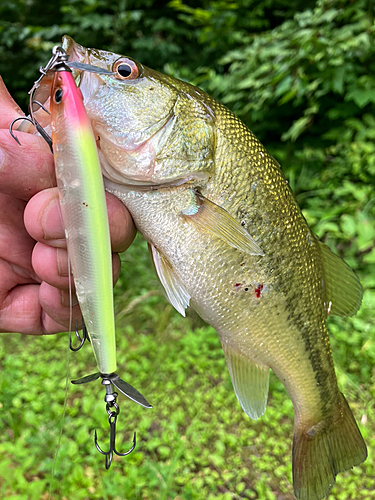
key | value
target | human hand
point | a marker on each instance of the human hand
(34, 281)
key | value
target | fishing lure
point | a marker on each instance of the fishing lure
(84, 213)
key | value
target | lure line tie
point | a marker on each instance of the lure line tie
(58, 61)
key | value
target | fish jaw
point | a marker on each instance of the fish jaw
(75, 51)
(151, 129)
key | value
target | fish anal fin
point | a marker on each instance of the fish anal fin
(175, 290)
(250, 382)
(344, 291)
(322, 451)
(211, 217)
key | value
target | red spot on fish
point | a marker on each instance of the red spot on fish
(237, 286)
(258, 291)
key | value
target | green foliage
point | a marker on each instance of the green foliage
(300, 74)
(196, 442)
(147, 30)
(306, 88)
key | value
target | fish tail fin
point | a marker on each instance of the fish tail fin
(322, 451)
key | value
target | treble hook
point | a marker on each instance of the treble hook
(59, 60)
(58, 56)
(16, 120)
(82, 340)
(40, 129)
(113, 410)
(41, 106)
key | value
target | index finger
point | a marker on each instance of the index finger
(27, 169)
(9, 108)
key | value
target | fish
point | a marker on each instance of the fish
(227, 238)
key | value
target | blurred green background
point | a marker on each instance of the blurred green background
(301, 76)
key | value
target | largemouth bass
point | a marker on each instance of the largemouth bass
(227, 237)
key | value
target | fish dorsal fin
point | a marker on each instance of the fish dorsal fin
(176, 292)
(250, 382)
(210, 217)
(344, 291)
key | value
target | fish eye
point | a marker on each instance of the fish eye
(125, 69)
(58, 96)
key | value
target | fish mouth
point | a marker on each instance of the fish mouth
(75, 51)
(84, 55)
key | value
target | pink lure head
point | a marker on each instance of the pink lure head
(67, 100)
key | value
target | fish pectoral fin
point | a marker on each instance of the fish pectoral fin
(344, 291)
(210, 217)
(250, 382)
(176, 292)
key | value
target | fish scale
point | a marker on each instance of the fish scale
(218, 304)
(227, 237)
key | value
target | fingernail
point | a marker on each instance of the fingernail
(51, 222)
(68, 299)
(62, 262)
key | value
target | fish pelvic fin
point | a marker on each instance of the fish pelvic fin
(322, 451)
(344, 290)
(175, 290)
(250, 382)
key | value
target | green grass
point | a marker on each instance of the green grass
(196, 442)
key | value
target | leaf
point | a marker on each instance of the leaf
(298, 127)
(370, 257)
(348, 225)
(338, 79)
(284, 86)
(361, 97)
(366, 233)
